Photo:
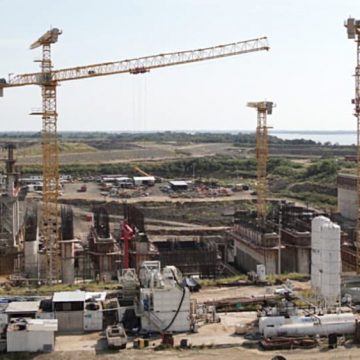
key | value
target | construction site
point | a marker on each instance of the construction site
(140, 262)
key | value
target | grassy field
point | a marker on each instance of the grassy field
(301, 169)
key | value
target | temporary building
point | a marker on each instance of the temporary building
(31, 335)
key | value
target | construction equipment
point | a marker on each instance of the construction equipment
(82, 188)
(353, 31)
(48, 79)
(127, 233)
(263, 109)
(141, 172)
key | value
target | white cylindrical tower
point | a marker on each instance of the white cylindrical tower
(326, 259)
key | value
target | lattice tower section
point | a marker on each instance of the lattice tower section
(262, 153)
(50, 150)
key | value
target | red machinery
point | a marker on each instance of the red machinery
(127, 234)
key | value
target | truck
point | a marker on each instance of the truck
(116, 336)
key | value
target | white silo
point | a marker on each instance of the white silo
(326, 259)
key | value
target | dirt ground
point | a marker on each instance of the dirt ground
(212, 341)
(154, 195)
(230, 353)
(144, 151)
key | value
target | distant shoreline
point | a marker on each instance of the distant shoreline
(313, 132)
(300, 132)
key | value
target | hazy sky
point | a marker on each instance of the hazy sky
(308, 71)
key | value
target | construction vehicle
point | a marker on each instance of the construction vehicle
(143, 173)
(83, 188)
(48, 79)
(116, 336)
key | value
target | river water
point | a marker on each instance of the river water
(341, 138)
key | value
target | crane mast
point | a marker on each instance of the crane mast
(49, 225)
(353, 31)
(48, 80)
(263, 109)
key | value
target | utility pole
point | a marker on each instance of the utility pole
(279, 243)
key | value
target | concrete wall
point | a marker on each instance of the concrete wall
(68, 262)
(247, 258)
(289, 259)
(7, 263)
(31, 249)
(296, 259)
(303, 260)
(293, 258)
(347, 203)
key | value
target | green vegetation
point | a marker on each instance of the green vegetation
(222, 281)
(64, 147)
(272, 279)
(314, 184)
(311, 181)
(49, 290)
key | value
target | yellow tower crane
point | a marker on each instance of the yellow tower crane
(263, 108)
(50, 152)
(49, 78)
(353, 31)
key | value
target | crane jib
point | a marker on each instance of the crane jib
(137, 65)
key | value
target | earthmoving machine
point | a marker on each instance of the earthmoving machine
(48, 79)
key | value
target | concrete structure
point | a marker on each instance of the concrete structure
(12, 212)
(296, 250)
(253, 247)
(104, 250)
(326, 259)
(347, 196)
(67, 245)
(31, 335)
(191, 256)
(68, 261)
(254, 244)
(31, 246)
